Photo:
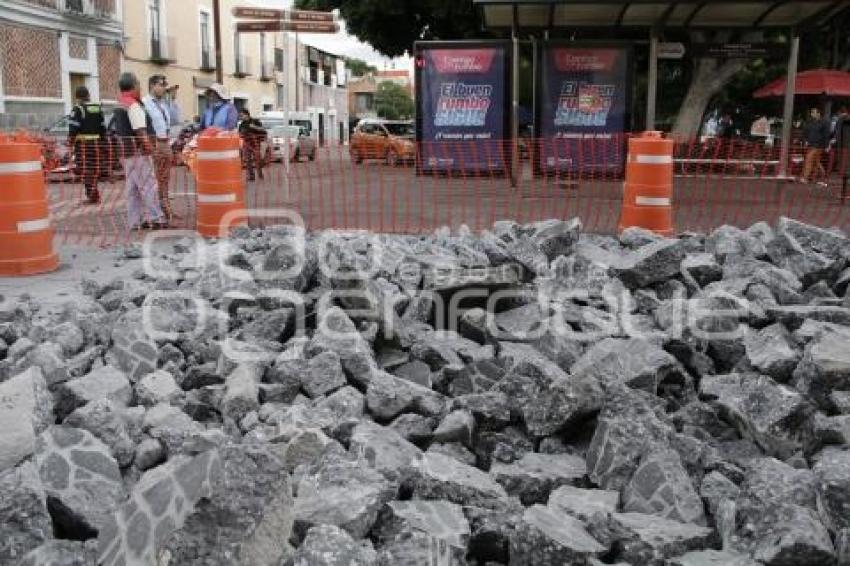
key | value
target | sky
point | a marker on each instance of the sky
(341, 43)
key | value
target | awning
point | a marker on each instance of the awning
(824, 82)
(551, 14)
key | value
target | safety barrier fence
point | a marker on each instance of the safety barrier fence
(378, 185)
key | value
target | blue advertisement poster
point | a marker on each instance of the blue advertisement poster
(462, 114)
(584, 108)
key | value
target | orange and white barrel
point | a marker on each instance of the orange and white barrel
(648, 190)
(26, 235)
(220, 185)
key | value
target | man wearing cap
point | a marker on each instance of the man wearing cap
(164, 114)
(86, 129)
(220, 112)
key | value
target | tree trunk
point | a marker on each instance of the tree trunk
(709, 79)
(710, 76)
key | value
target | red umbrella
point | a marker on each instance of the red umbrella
(816, 82)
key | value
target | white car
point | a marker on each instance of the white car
(291, 142)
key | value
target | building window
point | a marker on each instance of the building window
(364, 102)
(237, 53)
(278, 59)
(206, 51)
(159, 45)
(265, 69)
(281, 94)
(205, 40)
(155, 18)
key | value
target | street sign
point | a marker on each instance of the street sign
(280, 25)
(740, 50)
(259, 13)
(293, 15)
(671, 50)
(310, 16)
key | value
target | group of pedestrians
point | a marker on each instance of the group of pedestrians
(140, 130)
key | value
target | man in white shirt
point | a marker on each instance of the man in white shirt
(164, 114)
(135, 130)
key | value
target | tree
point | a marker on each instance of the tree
(391, 26)
(393, 102)
(359, 67)
(709, 78)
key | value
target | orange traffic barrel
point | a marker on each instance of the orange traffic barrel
(26, 236)
(648, 190)
(221, 188)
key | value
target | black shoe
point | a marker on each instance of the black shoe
(92, 196)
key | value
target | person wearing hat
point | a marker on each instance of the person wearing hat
(164, 114)
(220, 112)
(86, 129)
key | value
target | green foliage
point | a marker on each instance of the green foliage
(359, 67)
(393, 102)
(391, 26)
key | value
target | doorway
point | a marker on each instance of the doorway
(321, 130)
(76, 81)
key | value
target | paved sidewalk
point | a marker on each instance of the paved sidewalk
(63, 285)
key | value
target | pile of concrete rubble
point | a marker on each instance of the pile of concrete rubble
(528, 396)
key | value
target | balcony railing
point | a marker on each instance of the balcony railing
(242, 66)
(208, 60)
(102, 9)
(267, 71)
(162, 50)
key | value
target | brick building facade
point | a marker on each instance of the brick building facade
(47, 49)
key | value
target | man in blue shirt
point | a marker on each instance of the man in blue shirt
(165, 114)
(220, 112)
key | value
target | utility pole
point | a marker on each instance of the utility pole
(219, 71)
(297, 75)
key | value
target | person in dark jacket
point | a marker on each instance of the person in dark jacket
(841, 136)
(86, 133)
(253, 133)
(816, 133)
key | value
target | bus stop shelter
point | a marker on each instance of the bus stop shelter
(540, 17)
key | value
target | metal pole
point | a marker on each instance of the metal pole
(515, 163)
(534, 71)
(219, 71)
(297, 76)
(788, 114)
(652, 89)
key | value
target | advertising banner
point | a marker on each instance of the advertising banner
(584, 101)
(463, 117)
